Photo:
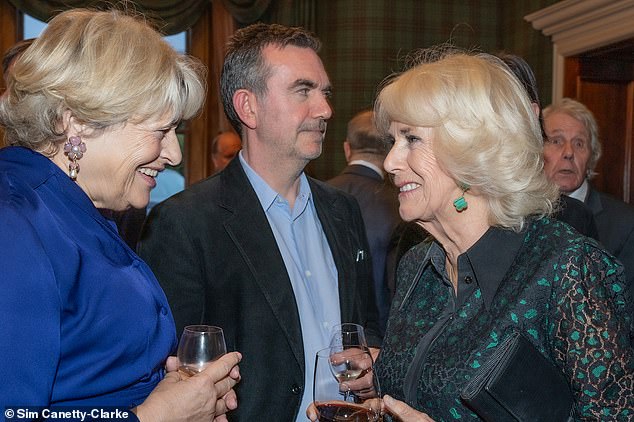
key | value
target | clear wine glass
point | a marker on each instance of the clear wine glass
(355, 368)
(199, 346)
(348, 335)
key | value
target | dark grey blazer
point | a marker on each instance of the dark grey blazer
(615, 223)
(578, 215)
(215, 255)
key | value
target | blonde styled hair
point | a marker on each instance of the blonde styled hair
(105, 67)
(485, 133)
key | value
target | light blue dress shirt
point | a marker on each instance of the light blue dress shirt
(310, 265)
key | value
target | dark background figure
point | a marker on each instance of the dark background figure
(570, 210)
(274, 257)
(224, 148)
(364, 178)
(129, 223)
(571, 153)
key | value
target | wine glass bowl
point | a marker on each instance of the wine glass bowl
(335, 373)
(348, 335)
(349, 364)
(199, 346)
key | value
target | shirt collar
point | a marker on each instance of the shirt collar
(581, 193)
(368, 165)
(267, 195)
(489, 269)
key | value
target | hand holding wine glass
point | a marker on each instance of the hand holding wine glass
(348, 365)
(353, 367)
(200, 345)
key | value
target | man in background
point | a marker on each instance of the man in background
(571, 211)
(571, 153)
(364, 178)
(224, 147)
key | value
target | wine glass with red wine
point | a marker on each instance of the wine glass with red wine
(198, 347)
(336, 373)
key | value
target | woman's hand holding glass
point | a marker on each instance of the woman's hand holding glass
(198, 347)
(339, 372)
(199, 383)
(206, 396)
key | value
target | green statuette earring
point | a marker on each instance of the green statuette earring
(461, 204)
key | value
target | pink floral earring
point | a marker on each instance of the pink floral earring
(74, 148)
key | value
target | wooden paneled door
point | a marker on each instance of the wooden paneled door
(603, 80)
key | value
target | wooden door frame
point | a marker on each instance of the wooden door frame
(577, 26)
(207, 39)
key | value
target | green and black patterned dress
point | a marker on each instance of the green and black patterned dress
(562, 289)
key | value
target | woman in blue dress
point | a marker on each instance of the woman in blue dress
(89, 116)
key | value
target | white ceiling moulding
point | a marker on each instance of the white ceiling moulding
(577, 26)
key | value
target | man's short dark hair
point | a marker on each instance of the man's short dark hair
(244, 66)
(523, 72)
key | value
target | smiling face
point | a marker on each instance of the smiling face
(119, 166)
(425, 190)
(291, 116)
(566, 151)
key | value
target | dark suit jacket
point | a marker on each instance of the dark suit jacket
(215, 255)
(378, 201)
(615, 224)
(578, 215)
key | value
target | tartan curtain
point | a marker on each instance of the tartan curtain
(173, 16)
(365, 40)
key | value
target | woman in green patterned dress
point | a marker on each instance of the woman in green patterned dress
(467, 158)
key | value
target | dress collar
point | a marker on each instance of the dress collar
(490, 259)
(35, 170)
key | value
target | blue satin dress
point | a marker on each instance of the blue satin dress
(83, 321)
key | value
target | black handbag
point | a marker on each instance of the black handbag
(518, 383)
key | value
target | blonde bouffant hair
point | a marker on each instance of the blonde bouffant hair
(485, 132)
(105, 67)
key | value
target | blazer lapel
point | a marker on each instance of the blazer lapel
(249, 229)
(593, 201)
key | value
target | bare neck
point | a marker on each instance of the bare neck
(283, 176)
